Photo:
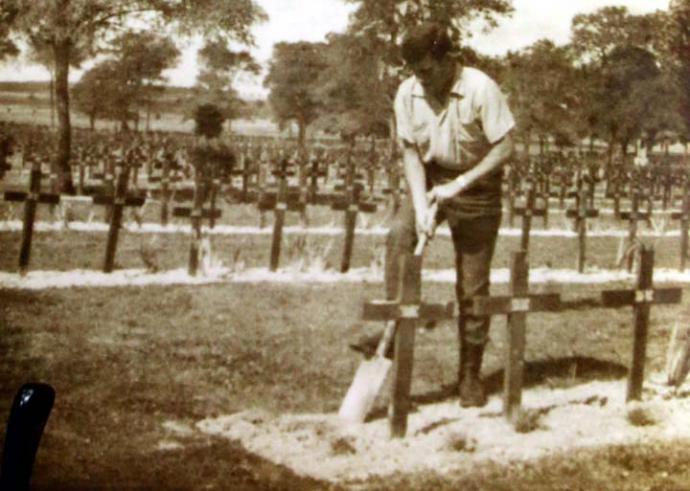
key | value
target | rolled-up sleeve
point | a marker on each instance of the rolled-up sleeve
(497, 120)
(403, 115)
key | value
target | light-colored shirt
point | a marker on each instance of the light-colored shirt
(461, 134)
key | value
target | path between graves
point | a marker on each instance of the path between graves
(39, 280)
(154, 228)
(443, 438)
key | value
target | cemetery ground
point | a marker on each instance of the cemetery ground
(136, 369)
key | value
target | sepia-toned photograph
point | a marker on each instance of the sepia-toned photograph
(343, 245)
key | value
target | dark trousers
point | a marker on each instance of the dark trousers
(474, 240)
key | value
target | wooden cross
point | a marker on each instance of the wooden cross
(580, 214)
(164, 181)
(407, 310)
(512, 180)
(351, 204)
(684, 217)
(393, 188)
(107, 187)
(633, 216)
(563, 184)
(667, 189)
(641, 299)
(196, 213)
(313, 173)
(31, 199)
(527, 212)
(516, 306)
(116, 202)
(247, 169)
(280, 202)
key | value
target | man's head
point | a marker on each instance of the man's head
(426, 50)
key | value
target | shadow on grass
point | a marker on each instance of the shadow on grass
(555, 373)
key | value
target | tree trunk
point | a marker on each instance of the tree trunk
(61, 51)
(92, 121)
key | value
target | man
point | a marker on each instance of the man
(453, 126)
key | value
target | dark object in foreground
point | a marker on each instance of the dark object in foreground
(28, 416)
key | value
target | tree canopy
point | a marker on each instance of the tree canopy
(65, 24)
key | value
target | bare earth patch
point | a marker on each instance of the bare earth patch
(444, 438)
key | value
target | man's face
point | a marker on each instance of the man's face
(432, 73)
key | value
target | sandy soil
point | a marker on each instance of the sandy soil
(442, 437)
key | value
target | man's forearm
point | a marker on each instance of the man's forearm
(416, 177)
(496, 157)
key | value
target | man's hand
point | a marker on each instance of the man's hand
(426, 220)
(443, 192)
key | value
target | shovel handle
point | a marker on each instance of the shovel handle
(386, 339)
(421, 243)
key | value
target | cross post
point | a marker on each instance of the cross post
(351, 204)
(116, 203)
(580, 214)
(527, 212)
(641, 299)
(196, 213)
(684, 217)
(633, 216)
(31, 199)
(516, 306)
(406, 311)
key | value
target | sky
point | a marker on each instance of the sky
(312, 20)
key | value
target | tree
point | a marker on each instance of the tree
(141, 58)
(622, 55)
(293, 76)
(540, 81)
(65, 24)
(678, 35)
(94, 89)
(595, 35)
(637, 98)
(356, 99)
(8, 14)
(219, 68)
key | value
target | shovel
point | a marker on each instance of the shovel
(371, 373)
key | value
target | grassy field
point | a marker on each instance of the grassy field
(135, 368)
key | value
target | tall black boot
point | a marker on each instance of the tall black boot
(471, 387)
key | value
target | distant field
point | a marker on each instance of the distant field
(30, 103)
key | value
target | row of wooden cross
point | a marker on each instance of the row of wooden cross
(118, 198)
(584, 209)
(408, 311)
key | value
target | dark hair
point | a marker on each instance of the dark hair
(429, 37)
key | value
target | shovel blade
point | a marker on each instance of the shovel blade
(360, 397)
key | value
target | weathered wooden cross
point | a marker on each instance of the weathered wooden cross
(351, 204)
(407, 310)
(516, 306)
(527, 212)
(31, 199)
(163, 189)
(580, 214)
(196, 213)
(633, 216)
(641, 299)
(280, 202)
(684, 217)
(116, 202)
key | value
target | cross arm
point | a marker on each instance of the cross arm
(508, 305)
(657, 296)
(392, 309)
